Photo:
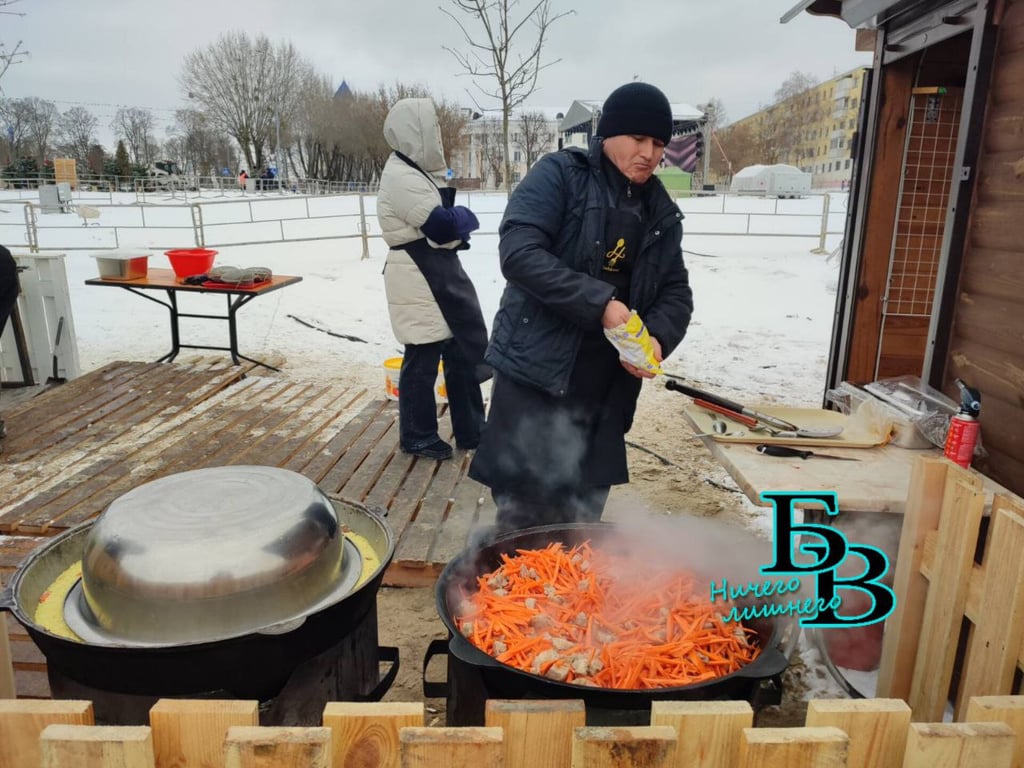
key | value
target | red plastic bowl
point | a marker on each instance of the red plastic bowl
(191, 261)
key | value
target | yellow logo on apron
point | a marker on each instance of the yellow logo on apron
(615, 255)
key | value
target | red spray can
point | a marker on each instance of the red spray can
(964, 427)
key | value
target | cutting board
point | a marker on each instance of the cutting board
(854, 434)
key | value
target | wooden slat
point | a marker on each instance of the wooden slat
(956, 745)
(462, 519)
(7, 687)
(390, 480)
(361, 481)
(993, 322)
(366, 735)
(419, 536)
(998, 631)
(340, 443)
(277, 747)
(357, 453)
(538, 734)
(322, 414)
(962, 506)
(709, 732)
(1000, 709)
(1008, 77)
(321, 445)
(651, 746)
(877, 728)
(22, 721)
(96, 746)
(191, 732)
(824, 747)
(451, 747)
(903, 627)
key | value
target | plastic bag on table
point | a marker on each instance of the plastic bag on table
(633, 343)
(868, 413)
(928, 409)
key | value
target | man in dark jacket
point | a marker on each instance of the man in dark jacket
(584, 239)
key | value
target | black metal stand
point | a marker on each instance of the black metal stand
(240, 300)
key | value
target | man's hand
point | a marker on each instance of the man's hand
(615, 313)
(639, 372)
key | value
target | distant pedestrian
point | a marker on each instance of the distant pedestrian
(242, 178)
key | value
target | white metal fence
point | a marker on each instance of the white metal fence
(98, 221)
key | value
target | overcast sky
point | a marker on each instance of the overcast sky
(106, 53)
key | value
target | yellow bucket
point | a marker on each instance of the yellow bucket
(392, 369)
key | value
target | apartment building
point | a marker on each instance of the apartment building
(812, 130)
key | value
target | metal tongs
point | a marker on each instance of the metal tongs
(728, 407)
(755, 420)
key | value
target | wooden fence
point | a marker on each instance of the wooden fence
(958, 627)
(865, 733)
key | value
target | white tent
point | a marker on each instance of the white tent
(771, 181)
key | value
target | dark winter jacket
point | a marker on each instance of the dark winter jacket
(552, 249)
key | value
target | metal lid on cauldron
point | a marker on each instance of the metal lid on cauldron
(211, 554)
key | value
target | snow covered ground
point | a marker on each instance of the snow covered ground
(761, 327)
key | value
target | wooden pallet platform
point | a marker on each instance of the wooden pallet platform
(76, 447)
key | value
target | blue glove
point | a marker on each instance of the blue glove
(447, 224)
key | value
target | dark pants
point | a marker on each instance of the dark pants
(417, 410)
(515, 512)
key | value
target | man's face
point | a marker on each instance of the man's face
(637, 157)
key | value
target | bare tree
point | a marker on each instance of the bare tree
(76, 130)
(195, 144)
(535, 136)
(41, 120)
(135, 126)
(794, 85)
(453, 120)
(714, 113)
(15, 115)
(10, 54)
(342, 138)
(247, 88)
(798, 104)
(497, 52)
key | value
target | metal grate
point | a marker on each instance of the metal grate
(928, 165)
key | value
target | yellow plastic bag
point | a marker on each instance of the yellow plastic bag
(634, 343)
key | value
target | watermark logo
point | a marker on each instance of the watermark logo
(824, 549)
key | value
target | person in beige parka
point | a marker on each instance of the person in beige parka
(432, 303)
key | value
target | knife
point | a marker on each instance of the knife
(784, 451)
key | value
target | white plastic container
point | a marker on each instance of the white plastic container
(122, 263)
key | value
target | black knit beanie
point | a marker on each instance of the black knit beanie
(636, 109)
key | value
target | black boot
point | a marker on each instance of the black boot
(438, 450)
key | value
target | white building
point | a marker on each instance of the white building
(533, 132)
